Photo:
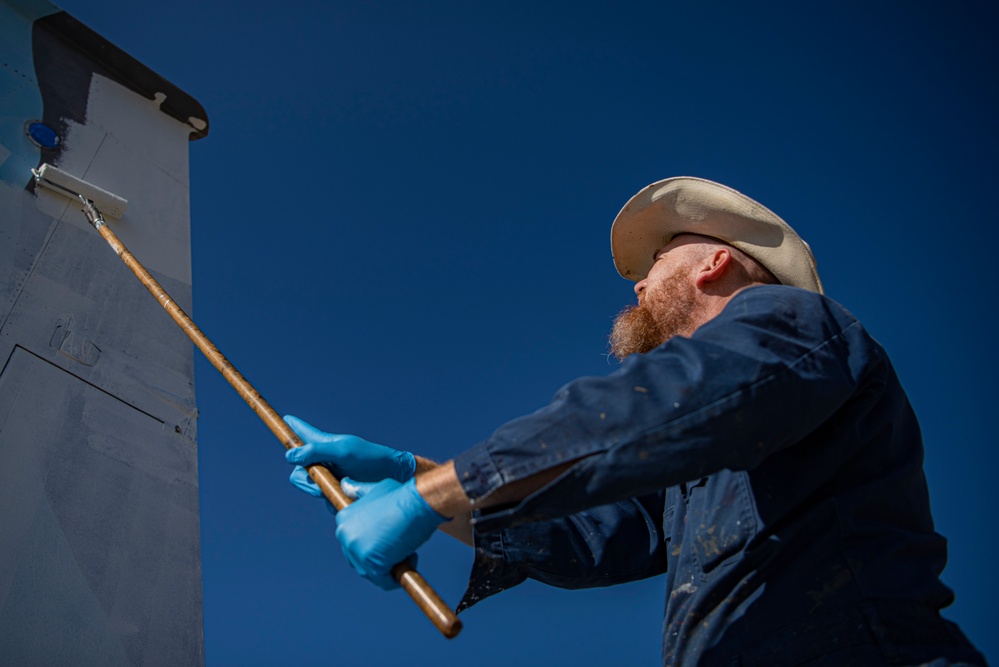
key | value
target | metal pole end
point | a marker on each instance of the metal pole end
(92, 212)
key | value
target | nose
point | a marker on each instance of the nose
(640, 286)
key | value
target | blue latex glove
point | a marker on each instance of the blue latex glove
(384, 526)
(345, 456)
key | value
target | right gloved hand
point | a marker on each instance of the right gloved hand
(385, 525)
(345, 456)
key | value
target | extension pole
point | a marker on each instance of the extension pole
(425, 597)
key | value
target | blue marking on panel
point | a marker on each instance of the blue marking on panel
(22, 100)
(42, 134)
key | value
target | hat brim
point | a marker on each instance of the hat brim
(687, 205)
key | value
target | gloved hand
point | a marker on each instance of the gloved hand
(345, 456)
(384, 526)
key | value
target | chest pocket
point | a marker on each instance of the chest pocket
(721, 517)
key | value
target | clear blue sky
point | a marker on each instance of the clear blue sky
(400, 229)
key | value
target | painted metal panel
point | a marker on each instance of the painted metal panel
(94, 528)
(99, 529)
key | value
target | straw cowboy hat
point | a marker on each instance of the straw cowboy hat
(689, 205)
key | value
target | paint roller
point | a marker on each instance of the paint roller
(95, 202)
(66, 184)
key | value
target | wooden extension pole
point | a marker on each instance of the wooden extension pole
(411, 581)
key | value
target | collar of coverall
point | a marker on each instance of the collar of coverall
(684, 204)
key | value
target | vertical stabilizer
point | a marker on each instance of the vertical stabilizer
(99, 531)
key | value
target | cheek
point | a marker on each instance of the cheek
(654, 274)
(659, 273)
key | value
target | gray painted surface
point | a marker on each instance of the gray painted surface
(100, 564)
(99, 531)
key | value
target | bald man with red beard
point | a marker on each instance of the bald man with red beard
(673, 299)
(755, 445)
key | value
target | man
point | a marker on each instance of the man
(755, 446)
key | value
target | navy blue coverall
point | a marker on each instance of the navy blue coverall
(770, 465)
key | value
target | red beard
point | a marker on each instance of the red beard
(661, 314)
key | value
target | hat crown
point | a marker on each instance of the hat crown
(685, 204)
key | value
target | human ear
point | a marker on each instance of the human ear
(713, 267)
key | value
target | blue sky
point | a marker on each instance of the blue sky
(400, 225)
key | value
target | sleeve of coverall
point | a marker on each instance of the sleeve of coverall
(774, 365)
(601, 546)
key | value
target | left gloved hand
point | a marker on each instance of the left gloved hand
(384, 526)
(345, 456)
